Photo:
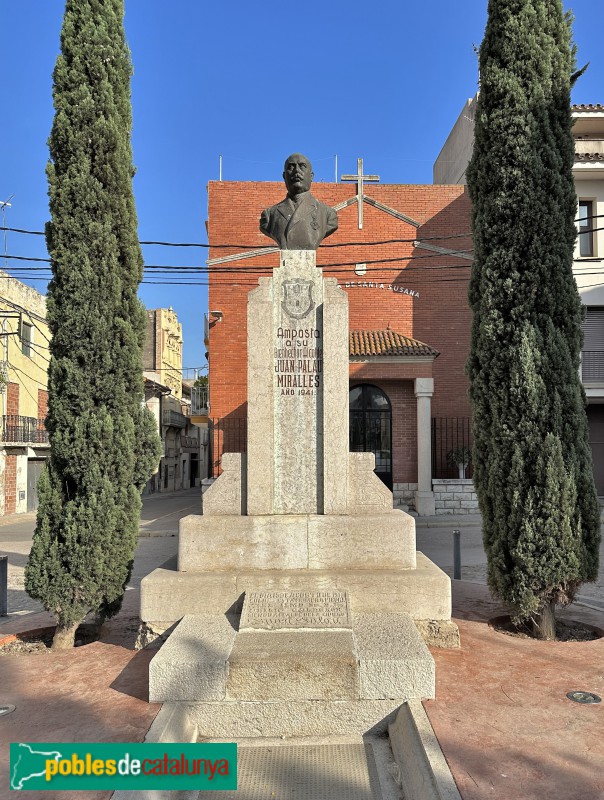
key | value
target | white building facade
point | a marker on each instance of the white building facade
(588, 267)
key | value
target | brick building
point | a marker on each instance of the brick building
(403, 256)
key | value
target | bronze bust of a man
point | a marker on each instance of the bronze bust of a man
(300, 222)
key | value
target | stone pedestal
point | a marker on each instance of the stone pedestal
(298, 514)
(297, 394)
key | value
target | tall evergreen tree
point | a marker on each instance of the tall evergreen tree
(104, 445)
(532, 462)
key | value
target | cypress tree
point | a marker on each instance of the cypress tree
(104, 445)
(532, 461)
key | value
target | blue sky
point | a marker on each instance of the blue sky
(382, 80)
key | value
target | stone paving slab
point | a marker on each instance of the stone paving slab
(305, 772)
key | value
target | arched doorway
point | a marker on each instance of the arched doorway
(371, 427)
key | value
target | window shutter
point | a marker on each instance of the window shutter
(593, 346)
(593, 328)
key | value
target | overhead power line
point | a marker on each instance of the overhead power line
(257, 246)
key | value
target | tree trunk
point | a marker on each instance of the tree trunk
(544, 624)
(64, 637)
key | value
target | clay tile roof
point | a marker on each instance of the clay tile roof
(387, 343)
(587, 107)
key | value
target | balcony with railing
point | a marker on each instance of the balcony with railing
(200, 400)
(24, 431)
(586, 148)
(173, 419)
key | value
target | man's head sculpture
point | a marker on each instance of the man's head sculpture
(300, 221)
(297, 174)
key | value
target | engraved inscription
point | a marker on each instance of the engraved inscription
(275, 610)
(298, 360)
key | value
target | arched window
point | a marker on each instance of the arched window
(371, 427)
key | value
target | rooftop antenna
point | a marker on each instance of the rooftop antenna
(4, 204)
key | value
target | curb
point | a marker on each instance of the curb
(423, 771)
(28, 634)
(449, 521)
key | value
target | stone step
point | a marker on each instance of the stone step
(293, 665)
(192, 664)
(285, 718)
(383, 657)
(423, 592)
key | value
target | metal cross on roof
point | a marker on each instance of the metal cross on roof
(359, 178)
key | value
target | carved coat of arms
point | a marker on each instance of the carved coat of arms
(297, 298)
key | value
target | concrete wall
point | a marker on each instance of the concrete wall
(25, 393)
(452, 161)
(162, 351)
(591, 286)
(28, 371)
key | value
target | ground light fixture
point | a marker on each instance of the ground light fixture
(584, 697)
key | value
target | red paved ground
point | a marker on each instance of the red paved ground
(501, 714)
(95, 693)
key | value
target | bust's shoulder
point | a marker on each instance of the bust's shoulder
(324, 206)
(274, 207)
(319, 202)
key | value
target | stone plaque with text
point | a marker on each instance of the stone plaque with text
(277, 610)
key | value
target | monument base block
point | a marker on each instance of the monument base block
(296, 541)
(424, 592)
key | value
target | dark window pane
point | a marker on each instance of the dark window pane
(586, 237)
(26, 339)
(355, 398)
(357, 432)
(376, 399)
(370, 427)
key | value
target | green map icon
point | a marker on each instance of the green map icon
(28, 763)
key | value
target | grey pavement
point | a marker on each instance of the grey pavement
(435, 540)
(158, 544)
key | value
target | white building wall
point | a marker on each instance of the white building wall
(589, 272)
